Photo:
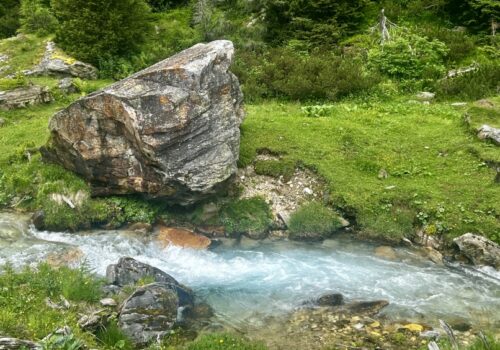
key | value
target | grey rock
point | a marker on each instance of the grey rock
(170, 131)
(110, 302)
(478, 249)
(2, 122)
(4, 58)
(38, 219)
(487, 132)
(368, 307)
(129, 271)
(425, 96)
(66, 86)
(149, 313)
(15, 344)
(56, 65)
(334, 299)
(93, 322)
(24, 96)
(430, 334)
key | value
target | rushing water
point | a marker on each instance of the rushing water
(250, 281)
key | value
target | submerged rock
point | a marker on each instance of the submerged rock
(334, 299)
(129, 271)
(182, 238)
(478, 249)
(170, 131)
(24, 97)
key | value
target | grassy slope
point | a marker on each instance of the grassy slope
(426, 150)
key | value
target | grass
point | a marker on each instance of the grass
(23, 53)
(23, 310)
(275, 168)
(434, 176)
(246, 216)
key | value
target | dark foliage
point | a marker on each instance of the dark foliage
(9, 17)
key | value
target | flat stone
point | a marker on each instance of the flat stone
(18, 344)
(182, 238)
(110, 302)
(425, 96)
(24, 97)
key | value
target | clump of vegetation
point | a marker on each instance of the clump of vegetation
(282, 168)
(224, 341)
(94, 30)
(246, 216)
(317, 111)
(9, 19)
(24, 312)
(36, 17)
(313, 221)
(123, 210)
(410, 57)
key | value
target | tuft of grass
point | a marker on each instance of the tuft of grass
(111, 337)
(224, 341)
(276, 168)
(313, 221)
(250, 216)
(24, 51)
(433, 178)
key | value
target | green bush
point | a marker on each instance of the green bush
(459, 43)
(410, 57)
(37, 17)
(320, 22)
(246, 216)
(276, 168)
(313, 221)
(483, 82)
(9, 18)
(124, 210)
(92, 30)
(224, 341)
(296, 75)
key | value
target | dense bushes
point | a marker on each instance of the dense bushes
(322, 23)
(9, 18)
(284, 72)
(483, 82)
(92, 29)
(410, 57)
(37, 17)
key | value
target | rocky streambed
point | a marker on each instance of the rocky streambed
(258, 286)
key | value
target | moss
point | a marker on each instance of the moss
(276, 168)
(246, 216)
(313, 221)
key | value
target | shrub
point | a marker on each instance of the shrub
(124, 210)
(286, 73)
(9, 18)
(313, 221)
(276, 168)
(37, 17)
(94, 30)
(321, 22)
(460, 45)
(410, 57)
(224, 341)
(246, 216)
(316, 111)
(483, 82)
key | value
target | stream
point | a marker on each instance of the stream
(248, 282)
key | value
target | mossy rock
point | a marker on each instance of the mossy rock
(251, 217)
(313, 221)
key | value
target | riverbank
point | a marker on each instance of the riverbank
(267, 291)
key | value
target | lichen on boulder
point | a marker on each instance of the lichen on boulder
(170, 131)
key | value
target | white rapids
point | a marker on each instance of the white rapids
(249, 282)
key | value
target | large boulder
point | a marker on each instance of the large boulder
(129, 271)
(478, 249)
(170, 131)
(149, 313)
(24, 96)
